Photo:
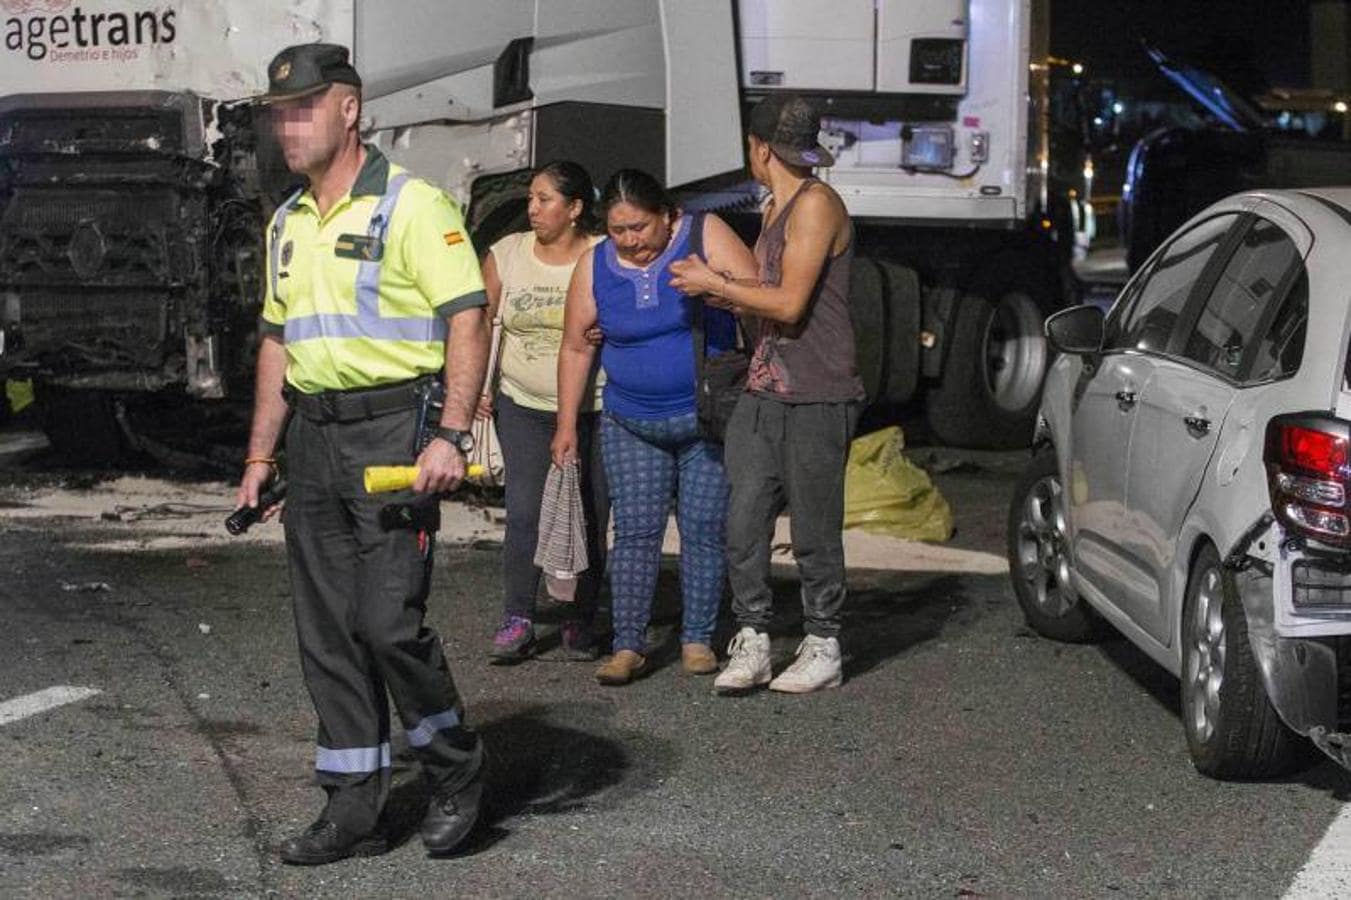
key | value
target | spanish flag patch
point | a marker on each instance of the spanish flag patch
(453, 238)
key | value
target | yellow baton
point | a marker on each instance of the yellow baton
(383, 479)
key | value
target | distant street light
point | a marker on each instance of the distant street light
(1077, 68)
(1340, 107)
(1118, 107)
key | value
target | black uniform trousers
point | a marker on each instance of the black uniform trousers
(360, 596)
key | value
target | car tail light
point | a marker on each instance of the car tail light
(1308, 460)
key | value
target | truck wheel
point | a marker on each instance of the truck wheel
(903, 308)
(1039, 557)
(991, 384)
(1233, 732)
(868, 311)
(497, 208)
(82, 427)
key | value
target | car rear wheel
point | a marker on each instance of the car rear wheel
(1232, 729)
(1039, 557)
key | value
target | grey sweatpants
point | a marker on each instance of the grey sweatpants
(781, 455)
(360, 595)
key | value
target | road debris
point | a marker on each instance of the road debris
(936, 463)
(86, 587)
(161, 511)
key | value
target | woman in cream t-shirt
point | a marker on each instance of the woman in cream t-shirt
(526, 275)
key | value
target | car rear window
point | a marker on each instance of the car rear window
(1250, 292)
(1281, 349)
(1150, 323)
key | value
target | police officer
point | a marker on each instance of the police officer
(372, 290)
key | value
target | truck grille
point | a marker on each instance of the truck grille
(108, 128)
(113, 329)
(66, 237)
(103, 233)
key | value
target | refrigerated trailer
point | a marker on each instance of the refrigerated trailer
(135, 178)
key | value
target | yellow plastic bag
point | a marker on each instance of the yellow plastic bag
(885, 493)
(18, 394)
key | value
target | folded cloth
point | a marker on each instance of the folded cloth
(561, 551)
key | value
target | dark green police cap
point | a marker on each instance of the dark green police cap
(305, 69)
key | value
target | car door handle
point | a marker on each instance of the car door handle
(1125, 399)
(1197, 425)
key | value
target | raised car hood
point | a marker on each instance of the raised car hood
(1209, 91)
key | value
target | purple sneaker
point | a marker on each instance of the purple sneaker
(577, 642)
(514, 640)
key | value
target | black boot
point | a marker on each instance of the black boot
(326, 842)
(451, 817)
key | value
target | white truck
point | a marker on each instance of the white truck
(134, 183)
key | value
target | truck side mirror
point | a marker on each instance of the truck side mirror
(1078, 330)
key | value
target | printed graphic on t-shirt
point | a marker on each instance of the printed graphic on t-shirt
(766, 373)
(533, 319)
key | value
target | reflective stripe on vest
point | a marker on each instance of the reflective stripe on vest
(367, 322)
(278, 226)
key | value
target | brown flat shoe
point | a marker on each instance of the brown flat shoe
(698, 659)
(621, 668)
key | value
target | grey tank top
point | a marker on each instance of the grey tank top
(812, 361)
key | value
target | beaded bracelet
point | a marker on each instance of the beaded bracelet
(265, 460)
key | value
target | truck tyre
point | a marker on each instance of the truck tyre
(1039, 561)
(904, 307)
(868, 311)
(82, 426)
(1233, 732)
(498, 208)
(988, 394)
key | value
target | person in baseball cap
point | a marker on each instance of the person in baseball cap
(306, 69)
(788, 440)
(789, 125)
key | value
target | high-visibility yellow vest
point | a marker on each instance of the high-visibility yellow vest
(362, 295)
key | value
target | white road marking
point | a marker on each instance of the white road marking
(41, 701)
(1327, 873)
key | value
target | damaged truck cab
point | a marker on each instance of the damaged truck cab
(133, 196)
(135, 184)
(129, 240)
(136, 180)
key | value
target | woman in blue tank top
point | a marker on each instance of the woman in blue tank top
(650, 441)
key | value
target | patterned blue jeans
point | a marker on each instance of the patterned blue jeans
(647, 461)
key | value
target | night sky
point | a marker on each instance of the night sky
(1250, 43)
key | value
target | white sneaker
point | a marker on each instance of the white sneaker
(817, 666)
(747, 664)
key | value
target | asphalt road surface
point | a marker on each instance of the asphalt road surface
(962, 757)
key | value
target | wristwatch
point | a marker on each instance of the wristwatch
(460, 440)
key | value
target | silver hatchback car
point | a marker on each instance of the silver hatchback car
(1190, 478)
